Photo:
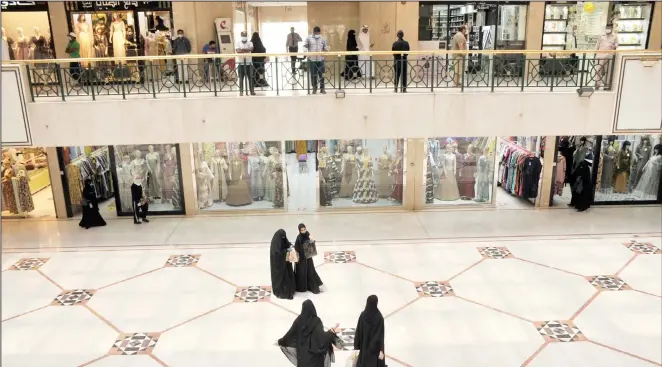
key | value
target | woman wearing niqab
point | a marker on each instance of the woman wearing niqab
(580, 186)
(306, 344)
(352, 69)
(282, 275)
(91, 216)
(369, 337)
(305, 274)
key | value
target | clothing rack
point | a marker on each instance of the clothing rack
(95, 166)
(519, 171)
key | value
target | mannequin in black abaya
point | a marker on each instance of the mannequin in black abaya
(580, 185)
(305, 274)
(306, 344)
(369, 337)
(282, 275)
(91, 215)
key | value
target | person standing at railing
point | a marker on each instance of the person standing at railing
(259, 71)
(292, 45)
(73, 49)
(316, 43)
(367, 67)
(458, 43)
(245, 64)
(606, 42)
(210, 49)
(400, 62)
(181, 46)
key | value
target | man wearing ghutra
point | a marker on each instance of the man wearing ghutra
(367, 67)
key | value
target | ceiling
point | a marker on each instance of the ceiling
(277, 3)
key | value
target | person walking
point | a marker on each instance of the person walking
(292, 45)
(369, 336)
(316, 43)
(139, 202)
(90, 204)
(181, 46)
(458, 43)
(305, 275)
(245, 64)
(282, 275)
(400, 62)
(259, 72)
(73, 49)
(352, 69)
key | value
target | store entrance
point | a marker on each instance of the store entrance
(519, 171)
(275, 22)
(26, 184)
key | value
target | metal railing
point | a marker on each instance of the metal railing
(159, 77)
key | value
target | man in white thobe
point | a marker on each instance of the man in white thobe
(367, 67)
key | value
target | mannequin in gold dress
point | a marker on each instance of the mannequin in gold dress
(348, 174)
(239, 193)
(384, 178)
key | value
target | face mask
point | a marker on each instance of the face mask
(317, 36)
(137, 182)
(180, 35)
(608, 31)
(244, 39)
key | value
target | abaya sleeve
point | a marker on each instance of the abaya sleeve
(358, 333)
(290, 337)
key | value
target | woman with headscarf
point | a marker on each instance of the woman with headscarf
(258, 62)
(352, 69)
(369, 337)
(90, 204)
(305, 274)
(306, 344)
(580, 186)
(282, 275)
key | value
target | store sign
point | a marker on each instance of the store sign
(639, 88)
(117, 5)
(15, 121)
(24, 5)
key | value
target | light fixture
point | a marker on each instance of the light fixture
(340, 94)
(585, 92)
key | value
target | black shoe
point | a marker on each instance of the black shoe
(145, 220)
(135, 222)
(323, 91)
(252, 93)
(395, 90)
(241, 94)
(404, 91)
(314, 91)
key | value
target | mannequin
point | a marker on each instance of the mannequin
(622, 169)
(559, 178)
(23, 50)
(385, 179)
(219, 168)
(365, 190)
(150, 43)
(641, 156)
(154, 169)
(279, 197)
(324, 167)
(649, 182)
(431, 171)
(367, 68)
(483, 178)
(268, 177)
(139, 201)
(467, 174)
(608, 163)
(348, 174)
(100, 41)
(118, 37)
(125, 180)
(238, 192)
(336, 167)
(396, 172)
(41, 46)
(580, 153)
(84, 39)
(138, 165)
(204, 182)
(447, 189)
(256, 168)
(169, 164)
(7, 46)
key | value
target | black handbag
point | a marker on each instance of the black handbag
(309, 249)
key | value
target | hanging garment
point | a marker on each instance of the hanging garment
(219, 187)
(429, 184)
(482, 180)
(622, 169)
(365, 190)
(396, 168)
(608, 165)
(279, 199)
(8, 197)
(239, 193)
(256, 170)
(467, 176)
(649, 182)
(384, 179)
(560, 175)
(447, 189)
(349, 176)
(268, 179)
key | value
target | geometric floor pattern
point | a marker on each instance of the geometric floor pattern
(503, 303)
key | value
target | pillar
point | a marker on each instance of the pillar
(549, 166)
(189, 188)
(406, 19)
(59, 27)
(655, 41)
(535, 21)
(414, 190)
(335, 19)
(56, 182)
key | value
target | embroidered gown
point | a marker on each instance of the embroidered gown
(365, 190)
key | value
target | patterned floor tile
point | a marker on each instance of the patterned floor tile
(29, 263)
(252, 294)
(495, 252)
(178, 261)
(608, 283)
(434, 289)
(645, 248)
(77, 297)
(340, 257)
(559, 331)
(134, 343)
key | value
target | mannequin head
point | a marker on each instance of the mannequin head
(117, 17)
(173, 150)
(82, 18)
(646, 141)
(359, 150)
(126, 159)
(626, 145)
(217, 153)
(657, 150)
(449, 149)
(236, 152)
(138, 180)
(137, 154)
(150, 148)
(350, 150)
(470, 149)
(253, 152)
(582, 141)
(19, 31)
(167, 148)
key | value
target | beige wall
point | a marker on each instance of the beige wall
(655, 41)
(406, 19)
(277, 14)
(335, 19)
(535, 19)
(380, 17)
(197, 20)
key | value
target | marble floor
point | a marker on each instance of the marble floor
(537, 301)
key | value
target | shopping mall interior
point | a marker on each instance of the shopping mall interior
(506, 211)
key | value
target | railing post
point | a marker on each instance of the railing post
(61, 83)
(27, 69)
(524, 72)
(610, 77)
(434, 60)
(462, 72)
(182, 77)
(369, 76)
(310, 74)
(583, 69)
(213, 75)
(551, 87)
(340, 83)
(151, 73)
(122, 79)
(277, 80)
(491, 60)
(89, 72)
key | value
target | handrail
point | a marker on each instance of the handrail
(332, 54)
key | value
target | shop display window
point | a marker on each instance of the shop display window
(26, 184)
(459, 170)
(27, 35)
(240, 175)
(156, 167)
(630, 169)
(512, 27)
(631, 24)
(80, 163)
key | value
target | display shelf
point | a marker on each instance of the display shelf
(556, 20)
(629, 44)
(554, 45)
(560, 32)
(631, 19)
(621, 32)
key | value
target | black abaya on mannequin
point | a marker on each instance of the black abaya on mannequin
(91, 216)
(306, 344)
(581, 187)
(305, 274)
(282, 275)
(369, 337)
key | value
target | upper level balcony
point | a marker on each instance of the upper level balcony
(197, 98)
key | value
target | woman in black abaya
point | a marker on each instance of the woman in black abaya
(90, 204)
(282, 275)
(580, 186)
(352, 69)
(306, 344)
(305, 274)
(369, 337)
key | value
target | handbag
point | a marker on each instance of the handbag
(292, 256)
(309, 249)
(352, 360)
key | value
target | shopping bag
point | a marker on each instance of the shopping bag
(351, 361)
(292, 256)
(309, 249)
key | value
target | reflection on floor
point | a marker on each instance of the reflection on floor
(502, 303)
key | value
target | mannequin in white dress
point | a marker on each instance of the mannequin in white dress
(447, 189)
(118, 37)
(204, 182)
(138, 165)
(84, 39)
(154, 168)
(219, 168)
(125, 178)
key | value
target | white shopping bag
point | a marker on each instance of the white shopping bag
(351, 361)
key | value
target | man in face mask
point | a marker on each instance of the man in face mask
(292, 45)
(181, 46)
(316, 43)
(245, 64)
(606, 42)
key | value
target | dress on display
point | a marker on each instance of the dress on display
(118, 32)
(85, 42)
(349, 176)
(365, 190)
(256, 170)
(467, 176)
(268, 179)
(325, 177)
(169, 164)
(607, 177)
(204, 183)
(649, 182)
(100, 45)
(384, 179)
(447, 189)
(41, 48)
(219, 187)
(560, 175)
(622, 170)
(643, 154)
(8, 198)
(125, 179)
(154, 169)
(238, 192)
(429, 182)
(23, 49)
(334, 175)
(279, 199)
(482, 180)
(396, 171)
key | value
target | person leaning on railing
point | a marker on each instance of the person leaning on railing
(73, 49)
(400, 62)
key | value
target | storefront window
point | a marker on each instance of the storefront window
(26, 183)
(156, 168)
(26, 31)
(630, 168)
(80, 163)
(512, 27)
(240, 175)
